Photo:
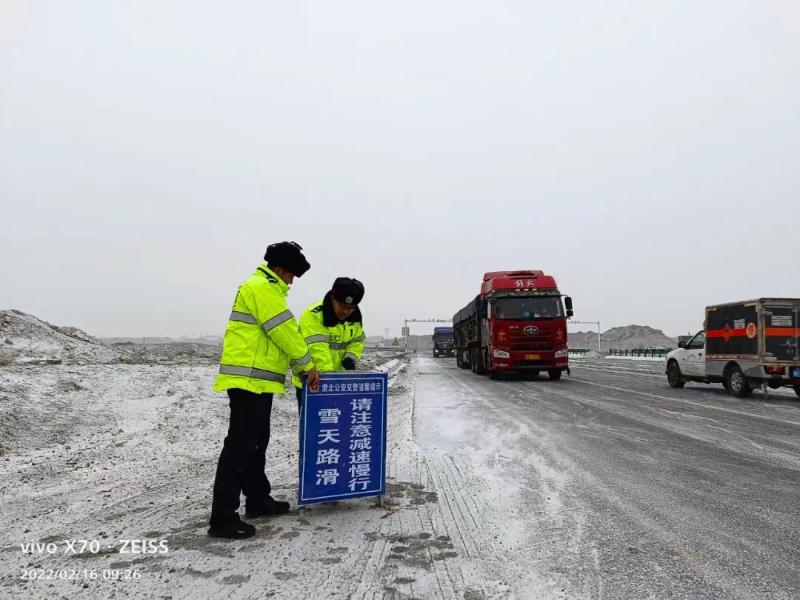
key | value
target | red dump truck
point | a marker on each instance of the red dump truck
(517, 324)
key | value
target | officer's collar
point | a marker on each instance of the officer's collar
(273, 277)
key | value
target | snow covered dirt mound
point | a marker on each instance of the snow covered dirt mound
(623, 338)
(44, 405)
(168, 353)
(25, 339)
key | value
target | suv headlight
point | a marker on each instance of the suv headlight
(500, 353)
(562, 353)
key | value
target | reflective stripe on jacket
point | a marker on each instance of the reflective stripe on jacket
(261, 340)
(329, 346)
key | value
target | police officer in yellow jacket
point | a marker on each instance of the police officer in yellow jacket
(333, 329)
(261, 342)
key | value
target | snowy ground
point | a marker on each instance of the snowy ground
(129, 452)
(607, 484)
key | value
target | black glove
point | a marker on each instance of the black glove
(349, 364)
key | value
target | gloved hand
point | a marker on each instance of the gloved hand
(349, 364)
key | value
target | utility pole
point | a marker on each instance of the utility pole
(570, 322)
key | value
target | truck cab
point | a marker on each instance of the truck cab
(443, 344)
(689, 356)
(516, 325)
(528, 334)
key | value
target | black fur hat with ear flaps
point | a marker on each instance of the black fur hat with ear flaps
(348, 290)
(289, 256)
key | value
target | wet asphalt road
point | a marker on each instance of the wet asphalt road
(617, 486)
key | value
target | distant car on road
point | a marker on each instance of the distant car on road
(744, 345)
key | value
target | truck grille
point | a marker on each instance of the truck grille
(531, 363)
(530, 346)
(520, 341)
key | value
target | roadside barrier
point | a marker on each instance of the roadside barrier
(642, 352)
(579, 351)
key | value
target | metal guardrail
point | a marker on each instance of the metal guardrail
(395, 349)
(580, 351)
(642, 352)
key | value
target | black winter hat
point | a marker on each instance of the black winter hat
(287, 255)
(348, 290)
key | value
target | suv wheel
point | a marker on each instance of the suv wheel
(554, 374)
(737, 382)
(674, 377)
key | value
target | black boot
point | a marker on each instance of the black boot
(268, 508)
(236, 529)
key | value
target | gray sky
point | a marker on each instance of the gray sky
(646, 154)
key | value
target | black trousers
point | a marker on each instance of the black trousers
(241, 463)
(299, 393)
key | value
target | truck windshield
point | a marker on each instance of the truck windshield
(528, 309)
(443, 333)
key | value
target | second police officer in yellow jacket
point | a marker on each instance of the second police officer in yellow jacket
(333, 330)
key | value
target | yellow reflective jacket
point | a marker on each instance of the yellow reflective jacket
(330, 344)
(261, 339)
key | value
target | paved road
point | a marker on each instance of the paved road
(616, 486)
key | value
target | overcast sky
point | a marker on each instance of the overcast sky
(646, 154)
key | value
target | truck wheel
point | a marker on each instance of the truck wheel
(555, 374)
(674, 377)
(480, 368)
(737, 382)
